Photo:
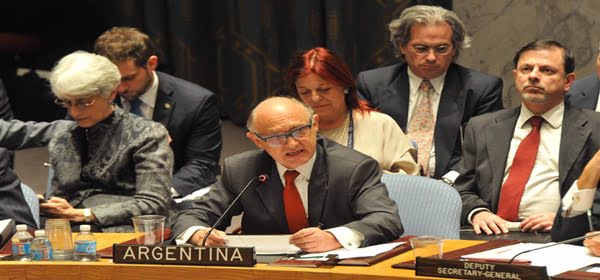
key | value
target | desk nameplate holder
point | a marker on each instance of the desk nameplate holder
(445, 268)
(184, 255)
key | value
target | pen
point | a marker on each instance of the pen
(589, 215)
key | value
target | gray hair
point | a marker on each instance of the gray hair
(83, 74)
(422, 14)
(251, 117)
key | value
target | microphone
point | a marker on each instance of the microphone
(554, 244)
(256, 180)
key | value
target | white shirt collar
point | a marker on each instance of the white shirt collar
(553, 117)
(415, 82)
(304, 170)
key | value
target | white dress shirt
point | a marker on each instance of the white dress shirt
(349, 238)
(414, 98)
(577, 202)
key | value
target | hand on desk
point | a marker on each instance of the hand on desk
(541, 222)
(492, 224)
(489, 223)
(593, 243)
(315, 240)
(216, 237)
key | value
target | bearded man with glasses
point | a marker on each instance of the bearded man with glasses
(325, 194)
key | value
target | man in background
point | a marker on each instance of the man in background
(188, 111)
(431, 97)
(519, 163)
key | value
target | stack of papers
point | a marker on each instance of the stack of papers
(7, 228)
(364, 252)
(264, 244)
(556, 259)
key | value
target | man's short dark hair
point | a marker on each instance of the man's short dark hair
(568, 58)
(119, 44)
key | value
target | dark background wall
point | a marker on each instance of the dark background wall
(236, 48)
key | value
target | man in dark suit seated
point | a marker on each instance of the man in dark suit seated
(428, 40)
(519, 163)
(584, 92)
(333, 195)
(188, 111)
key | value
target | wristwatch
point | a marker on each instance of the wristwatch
(87, 215)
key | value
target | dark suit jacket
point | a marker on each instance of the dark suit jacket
(567, 228)
(584, 93)
(12, 202)
(467, 93)
(486, 146)
(344, 190)
(190, 114)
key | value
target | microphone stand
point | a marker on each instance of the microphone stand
(554, 244)
(261, 179)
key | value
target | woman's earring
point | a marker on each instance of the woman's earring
(346, 91)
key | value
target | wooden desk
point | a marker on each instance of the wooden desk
(105, 269)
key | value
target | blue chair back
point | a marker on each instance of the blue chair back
(426, 206)
(32, 201)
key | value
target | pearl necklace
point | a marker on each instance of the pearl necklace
(340, 138)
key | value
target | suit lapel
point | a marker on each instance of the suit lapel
(448, 120)
(271, 193)
(401, 88)
(498, 138)
(572, 141)
(317, 187)
(165, 104)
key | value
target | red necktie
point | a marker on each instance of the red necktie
(512, 189)
(294, 209)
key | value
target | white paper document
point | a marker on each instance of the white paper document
(556, 259)
(364, 252)
(7, 228)
(264, 244)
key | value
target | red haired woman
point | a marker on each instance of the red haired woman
(324, 81)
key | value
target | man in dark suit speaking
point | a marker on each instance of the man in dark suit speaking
(429, 39)
(519, 163)
(188, 111)
(327, 195)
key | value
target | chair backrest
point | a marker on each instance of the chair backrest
(32, 201)
(426, 206)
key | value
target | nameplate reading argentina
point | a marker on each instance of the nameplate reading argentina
(184, 255)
